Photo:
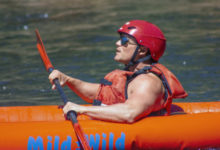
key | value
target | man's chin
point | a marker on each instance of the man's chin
(116, 59)
(119, 61)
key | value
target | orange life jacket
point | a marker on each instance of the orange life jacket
(113, 88)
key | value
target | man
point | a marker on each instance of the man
(144, 88)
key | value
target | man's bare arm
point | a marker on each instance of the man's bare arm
(87, 91)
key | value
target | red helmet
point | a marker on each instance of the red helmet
(146, 34)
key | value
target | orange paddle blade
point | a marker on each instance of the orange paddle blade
(42, 51)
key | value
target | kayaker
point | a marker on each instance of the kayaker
(143, 88)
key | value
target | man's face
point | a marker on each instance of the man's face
(125, 49)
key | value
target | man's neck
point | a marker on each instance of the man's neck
(139, 66)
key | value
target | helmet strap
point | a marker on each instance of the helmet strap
(133, 62)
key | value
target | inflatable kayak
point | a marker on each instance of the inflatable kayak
(191, 126)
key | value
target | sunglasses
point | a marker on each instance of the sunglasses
(125, 40)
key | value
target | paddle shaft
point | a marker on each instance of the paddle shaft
(72, 114)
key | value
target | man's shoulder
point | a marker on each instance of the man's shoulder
(147, 78)
(147, 81)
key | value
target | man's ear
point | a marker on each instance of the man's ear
(143, 51)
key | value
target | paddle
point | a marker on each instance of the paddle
(72, 114)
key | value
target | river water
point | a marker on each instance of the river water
(80, 36)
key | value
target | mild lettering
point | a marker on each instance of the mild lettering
(35, 144)
(120, 142)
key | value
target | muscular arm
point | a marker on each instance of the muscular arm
(87, 91)
(144, 96)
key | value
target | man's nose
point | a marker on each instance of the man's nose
(118, 43)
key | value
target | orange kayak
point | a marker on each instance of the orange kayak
(45, 128)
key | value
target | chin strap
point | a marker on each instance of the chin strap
(132, 62)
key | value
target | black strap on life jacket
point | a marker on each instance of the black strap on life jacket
(165, 83)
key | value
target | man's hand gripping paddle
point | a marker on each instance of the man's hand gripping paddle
(72, 114)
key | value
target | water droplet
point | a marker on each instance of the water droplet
(184, 62)
(4, 87)
(42, 90)
(46, 15)
(25, 27)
